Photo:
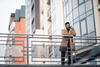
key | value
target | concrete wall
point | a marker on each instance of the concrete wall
(97, 16)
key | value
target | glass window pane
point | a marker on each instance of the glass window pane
(76, 20)
(81, 9)
(77, 28)
(90, 24)
(75, 13)
(70, 17)
(82, 16)
(71, 22)
(81, 1)
(75, 3)
(88, 5)
(67, 9)
(89, 12)
(83, 27)
(70, 5)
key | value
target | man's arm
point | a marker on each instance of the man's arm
(64, 32)
(73, 32)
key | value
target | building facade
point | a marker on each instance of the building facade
(32, 15)
(28, 16)
(14, 48)
(80, 14)
(83, 15)
(40, 23)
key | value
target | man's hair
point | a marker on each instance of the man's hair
(67, 23)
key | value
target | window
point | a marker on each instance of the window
(81, 9)
(70, 5)
(75, 13)
(83, 27)
(88, 5)
(90, 24)
(70, 17)
(76, 20)
(71, 22)
(81, 1)
(82, 16)
(75, 3)
(67, 9)
(89, 12)
(77, 28)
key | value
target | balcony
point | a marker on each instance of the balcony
(49, 66)
(37, 49)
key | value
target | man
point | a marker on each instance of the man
(67, 43)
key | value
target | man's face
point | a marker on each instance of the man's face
(67, 25)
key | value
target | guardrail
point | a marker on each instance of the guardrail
(44, 49)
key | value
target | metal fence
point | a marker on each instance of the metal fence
(44, 49)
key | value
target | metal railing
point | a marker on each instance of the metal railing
(44, 49)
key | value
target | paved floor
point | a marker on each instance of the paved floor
(49, 65)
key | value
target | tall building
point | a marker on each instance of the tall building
(46, 25)
(14, 48)
(57, 24)
(11, 28)
(33, 27)
(20, 28)
(83, 15)
(39, 12)
(96, 6)
(11, 23)
(32, 15)
(80, 13)
(28, 16)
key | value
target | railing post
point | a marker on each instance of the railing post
(27, 49)
(70, 56)
(71, 50)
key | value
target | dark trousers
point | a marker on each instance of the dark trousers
(69, 54)
(63, 53)
(63, 57)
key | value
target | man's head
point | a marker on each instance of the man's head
(67, 25)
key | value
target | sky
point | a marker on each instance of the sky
(6, 8)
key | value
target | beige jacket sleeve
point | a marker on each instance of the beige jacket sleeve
(71, 32)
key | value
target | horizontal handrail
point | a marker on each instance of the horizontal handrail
(30, 42)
